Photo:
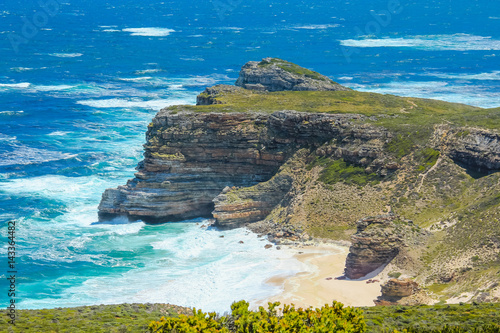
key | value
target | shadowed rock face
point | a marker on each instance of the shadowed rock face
(475, 148)
(272, 74)
(375, 244)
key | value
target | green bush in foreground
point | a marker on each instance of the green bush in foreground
(334, 318)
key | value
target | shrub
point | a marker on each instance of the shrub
(334, 318)
(341, 171)
(198, 322)
(394, 275)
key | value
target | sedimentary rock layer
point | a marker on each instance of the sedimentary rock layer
(475, 148)
(191, 157)
(375, 244)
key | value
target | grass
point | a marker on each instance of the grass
(294, 69)
(412, 118)
(96, 319)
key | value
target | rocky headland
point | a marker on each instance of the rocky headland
(295, 156)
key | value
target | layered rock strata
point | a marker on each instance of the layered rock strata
(375, 244)
(238, 206)
(475, 148)
(191, 157)
(272, 74)
(394, 290)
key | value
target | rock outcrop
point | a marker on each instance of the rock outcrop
(238, 206)
(344, 156)
(377, 241)
(478, 149)
(272, 74)
(394, 290)
(374, 245)
(399, 288)
(209, 96)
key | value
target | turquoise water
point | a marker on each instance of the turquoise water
(77, 92)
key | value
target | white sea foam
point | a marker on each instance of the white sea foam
(147, 71)
(21, 69)
(24, 155)
(446, 91)
(456, 42)
(111, 30)
(121, 229)
(135, 79)
(66, 55)
(11, 113)
(490, 76)
(229, 28)
(198, 269)
(203, 81)
(58, 133)
(149, 32)
(4, 137)
(15, 85)
(155, 104)
(53, 87)
(317, 26)
(193, 59)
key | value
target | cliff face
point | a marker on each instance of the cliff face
(191, 157)
(472, 147)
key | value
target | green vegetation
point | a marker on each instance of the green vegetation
(434, 318)
(394, 275)
(427, 158)
(171, 157)
(327, 319)
(455, 318)
(339, 170)
(413, 118)
(400, 145)
(294, 69)
(90, 319)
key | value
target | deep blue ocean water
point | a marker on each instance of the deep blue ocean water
(80, 81)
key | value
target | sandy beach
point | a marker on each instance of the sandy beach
(317, 285)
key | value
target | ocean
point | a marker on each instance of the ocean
(80, 80)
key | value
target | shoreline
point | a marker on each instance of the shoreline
(317, 285)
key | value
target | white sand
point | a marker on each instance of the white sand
(311, 287)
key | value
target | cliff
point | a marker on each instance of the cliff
(312, 162)
(191, 157)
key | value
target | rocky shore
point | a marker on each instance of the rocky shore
(333, 157)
